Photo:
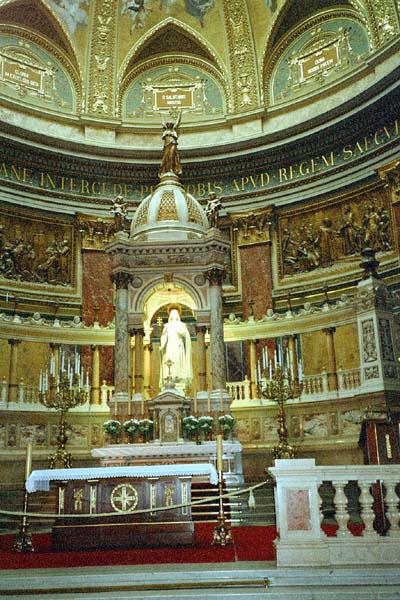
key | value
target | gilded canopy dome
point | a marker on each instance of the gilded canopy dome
(169, 213)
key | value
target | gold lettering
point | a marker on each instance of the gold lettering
(3, 170)
(235, 185)
(347, 153)
(72, 186)
(387, 133)
(254, 181)
(304, 169)
(190, 189)
(16, 172)
(265, 176)
(282, 174)
(245, 181)
(144, 190)
(25, 174)
(84, 186)
(46, 179)
(396, 127)
(330, 161)
(216, 187)
(201, 189)
(358, 145)
(95, 187)
(127, 190)
(117, 189)
(62, 182)
(376, 139)
(103, 186)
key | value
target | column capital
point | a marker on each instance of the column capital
(329, 329)
(121, 279)
(94, 347)
(136, 331)
(215, 275)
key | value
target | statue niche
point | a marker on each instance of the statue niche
(175, 352)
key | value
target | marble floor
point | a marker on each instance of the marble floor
(246, 580)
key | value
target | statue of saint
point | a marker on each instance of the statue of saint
(214, 205)
(171, 162)
(120, 212)
(175, 350)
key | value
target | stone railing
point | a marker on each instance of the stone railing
(301, 540)
(28, 398)
(239, 390)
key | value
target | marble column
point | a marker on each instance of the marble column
(202, 358)
(139, 335)
(147, 351)
(122, 339)
(215, 278)
(293, 360)
(253, 369)
(12, 377)
(331, 358)
(95, 387)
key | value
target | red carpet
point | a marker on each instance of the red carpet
(250, 543)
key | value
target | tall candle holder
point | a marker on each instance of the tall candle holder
(222, 532)
(280, 388)
(62, 393)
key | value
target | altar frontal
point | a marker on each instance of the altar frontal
(119, 507)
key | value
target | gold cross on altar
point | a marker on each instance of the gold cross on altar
(124, 497)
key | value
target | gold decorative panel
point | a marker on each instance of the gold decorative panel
(36, 249)
(167, 209)
(334, 231)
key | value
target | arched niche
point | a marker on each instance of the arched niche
(172, 54)
(319, 52)
(49, 75)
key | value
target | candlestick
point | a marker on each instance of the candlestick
(219, 452)
(208, 401)
(142, 406)
(28, 460)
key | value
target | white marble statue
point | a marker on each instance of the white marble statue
(176, 351)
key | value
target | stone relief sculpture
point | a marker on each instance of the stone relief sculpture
(311, 244)
(29, 253)
(369, 342)
(175, 350)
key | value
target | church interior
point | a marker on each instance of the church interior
(200, 299)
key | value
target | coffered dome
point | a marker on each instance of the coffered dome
(169, 213)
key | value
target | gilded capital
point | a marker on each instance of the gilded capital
(121, 279)
(215, 276)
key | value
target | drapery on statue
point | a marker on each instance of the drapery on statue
(170, 161)
(213, 207)
(120, 212)
(175, 350)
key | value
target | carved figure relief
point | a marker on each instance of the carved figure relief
(386, 339)
(36, 251)
(320, 238)
(368, 341)
(252, 228)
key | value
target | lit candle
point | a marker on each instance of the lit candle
(142, 409)
(208, 401)
(270, 370)
(28, 460)
(219, 452)
(87, 379)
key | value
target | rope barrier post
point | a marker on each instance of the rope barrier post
(23, 539)
(222, 532)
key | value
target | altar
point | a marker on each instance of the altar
(118, 507)
(189, 453)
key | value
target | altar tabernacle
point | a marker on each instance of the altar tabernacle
(117, 507)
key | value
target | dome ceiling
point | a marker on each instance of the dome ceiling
(116, 61)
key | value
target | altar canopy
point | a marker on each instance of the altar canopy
(40, 480)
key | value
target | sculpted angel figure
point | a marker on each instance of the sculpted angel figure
(170, 161)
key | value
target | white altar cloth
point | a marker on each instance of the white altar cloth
(40, 480)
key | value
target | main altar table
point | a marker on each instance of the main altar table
(116, 507)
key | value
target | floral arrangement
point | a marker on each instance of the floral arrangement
(131, 427)
(112, 427)
(206, 423)
(226, 424)
(145, 426)
(190, 425)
